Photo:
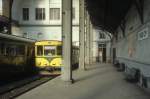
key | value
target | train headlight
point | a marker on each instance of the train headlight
(39, 63)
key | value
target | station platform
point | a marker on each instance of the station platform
(99, 81)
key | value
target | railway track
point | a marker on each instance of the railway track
(15, 89)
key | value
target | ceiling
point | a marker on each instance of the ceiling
(107, 14)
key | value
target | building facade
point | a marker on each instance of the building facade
(5, 24)
(41, 19)
(101, 46)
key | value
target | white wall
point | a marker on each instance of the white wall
(32, 4)
(48, 33)
(1, 7)
(50, 29)
(17, 31)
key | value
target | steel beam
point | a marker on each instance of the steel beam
(139, 6)
(82, 34)
(67, 40)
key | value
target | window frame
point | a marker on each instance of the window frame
(42, 52)
(53, 14)
(40, 14)
(25, 14)
(54, 49)
(102, 36)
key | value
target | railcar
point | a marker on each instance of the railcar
(48, 55)
(16, 55)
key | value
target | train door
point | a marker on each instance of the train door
(102, 53)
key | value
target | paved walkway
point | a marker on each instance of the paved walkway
(100, 81)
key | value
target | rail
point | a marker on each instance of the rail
(15, 89)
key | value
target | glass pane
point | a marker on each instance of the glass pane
(20, 50)
(54, 13)
(39, 50)
(49, 50)
(59, 50)
(25, 14)
(40, 14)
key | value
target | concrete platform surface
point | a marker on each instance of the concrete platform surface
(99, 81)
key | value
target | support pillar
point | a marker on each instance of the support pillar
(81, 34)
(91, 43)
(87, 61)
(67, 40)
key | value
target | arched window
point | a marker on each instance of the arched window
(101, 36)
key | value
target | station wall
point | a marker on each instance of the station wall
(133, 48)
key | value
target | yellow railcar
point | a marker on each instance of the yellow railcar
(16, 56)
(48, 54)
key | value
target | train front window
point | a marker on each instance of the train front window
(49, 50)
(39, 50)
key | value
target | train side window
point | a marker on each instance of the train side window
(29, 51)
(8, 50)
(59, 50)
(39, 50)
(11, 50)
(2, 49)
(20, 50)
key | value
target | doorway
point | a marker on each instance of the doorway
(102, 53)
(114, 55)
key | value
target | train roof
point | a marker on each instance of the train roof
(48, 42)
(16, 38)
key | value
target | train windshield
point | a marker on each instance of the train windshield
(39, 50)
(49, 50)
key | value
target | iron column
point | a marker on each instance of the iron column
(67, 40)
(82, 34)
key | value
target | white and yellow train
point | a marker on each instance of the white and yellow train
(48, 55)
